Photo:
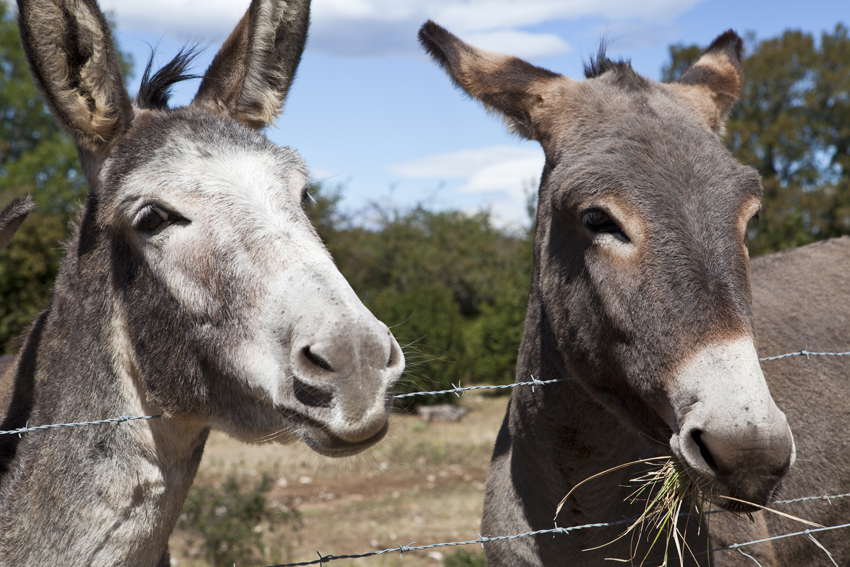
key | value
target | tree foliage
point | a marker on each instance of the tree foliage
(792, 124)
(36, 157)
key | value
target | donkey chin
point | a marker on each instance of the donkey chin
(729, 435)
(337, 426)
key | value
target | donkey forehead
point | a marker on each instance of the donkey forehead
(644, 149)
(187, 153)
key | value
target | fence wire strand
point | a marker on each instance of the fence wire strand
(26, 429)
(456, 390)
(402, 549)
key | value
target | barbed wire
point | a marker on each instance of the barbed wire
(824, 498)
(481, 539)
(121, 419)
(805, 353)
(456, 390)
(402, 549)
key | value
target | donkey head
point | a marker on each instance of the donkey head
(224, 308)
(641, 263)
(12, 217)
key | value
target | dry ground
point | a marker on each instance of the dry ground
(424, 483)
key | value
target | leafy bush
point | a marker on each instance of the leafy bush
(465, 559)
(228, 524)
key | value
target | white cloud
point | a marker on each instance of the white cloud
(388, 27)
(501, 173)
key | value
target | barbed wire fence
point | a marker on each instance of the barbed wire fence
(555, 530)
(457, 390)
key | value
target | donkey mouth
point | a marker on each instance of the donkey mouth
(317, 435)
(326, 443)
(734, 492)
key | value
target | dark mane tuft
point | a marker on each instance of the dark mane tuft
(621, 69)
(600, 63)
(155, 90)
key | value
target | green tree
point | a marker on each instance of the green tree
(36, 157)
(452, 286)
(792, 124)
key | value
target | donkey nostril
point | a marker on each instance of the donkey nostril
(395, 353)
(311, 395)
(316, 359)
(696, 435)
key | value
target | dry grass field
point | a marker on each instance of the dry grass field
(424, 483)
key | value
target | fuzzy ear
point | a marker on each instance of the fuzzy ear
(251, 74)
(506, 84)
(714, 82)
(12, 217)
(75, 65)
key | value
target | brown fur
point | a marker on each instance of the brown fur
(641, 298)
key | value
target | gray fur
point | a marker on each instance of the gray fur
(644, 297)
(12, 217)
(194, 287)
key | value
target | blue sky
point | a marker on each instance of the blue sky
(369, 111)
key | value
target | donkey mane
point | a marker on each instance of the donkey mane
(600, 64)
(155, 90)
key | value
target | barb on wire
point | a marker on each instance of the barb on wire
(457, 390)
(805, 353)
(122, 419)
(824, 498)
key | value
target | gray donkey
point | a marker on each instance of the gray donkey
(194, 288)
(643, 298)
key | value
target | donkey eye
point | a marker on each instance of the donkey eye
(752, 228)
(152, 218)
(307, 199)
(599, 222)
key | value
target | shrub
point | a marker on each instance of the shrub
(228, 524)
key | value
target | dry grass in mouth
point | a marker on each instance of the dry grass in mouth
(667, 492)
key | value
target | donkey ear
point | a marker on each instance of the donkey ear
(714, 82)
(506, 84)
(74, 63)
(251, 74)
(12, 217)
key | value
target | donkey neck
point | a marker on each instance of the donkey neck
(559, 429)
(128, 480)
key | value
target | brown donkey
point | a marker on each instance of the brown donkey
(193, 288)
(641, 299)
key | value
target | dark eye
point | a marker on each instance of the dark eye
(152, 218)
(307, 199)
(599, 221)
(752, 228)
